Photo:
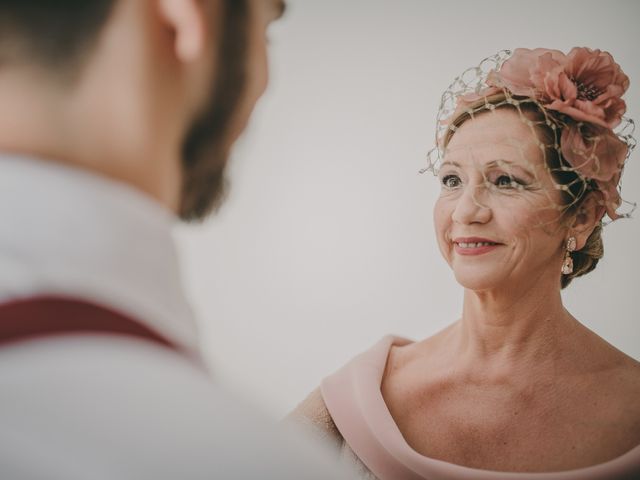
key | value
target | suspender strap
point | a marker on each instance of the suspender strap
(46, 317)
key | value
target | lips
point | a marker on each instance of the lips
(474, 245)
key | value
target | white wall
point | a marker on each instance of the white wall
(326, 242)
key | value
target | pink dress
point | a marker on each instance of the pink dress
(353, 398)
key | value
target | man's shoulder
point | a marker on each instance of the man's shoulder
(132, 409)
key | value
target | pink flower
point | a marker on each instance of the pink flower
(598, 154)
(585, 85)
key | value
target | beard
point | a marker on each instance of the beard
(205, 148)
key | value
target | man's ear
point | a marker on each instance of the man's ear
(588, 216)
(186, 19)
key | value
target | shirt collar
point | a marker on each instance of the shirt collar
(70, 232)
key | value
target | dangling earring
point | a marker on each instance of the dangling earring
(567, 265)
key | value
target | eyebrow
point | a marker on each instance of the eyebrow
(501, 162)
(449, 162)
(492, 164)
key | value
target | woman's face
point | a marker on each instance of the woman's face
(498, 218)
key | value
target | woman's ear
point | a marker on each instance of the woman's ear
(588, 216)
(186, 20)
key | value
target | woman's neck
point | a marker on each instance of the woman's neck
(506, 329)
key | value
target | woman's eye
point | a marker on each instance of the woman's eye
(506, 181)
(451, 181)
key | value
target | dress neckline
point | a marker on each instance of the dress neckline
(354, 400)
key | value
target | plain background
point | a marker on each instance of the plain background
(326, 242)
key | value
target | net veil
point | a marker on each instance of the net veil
(548, 129)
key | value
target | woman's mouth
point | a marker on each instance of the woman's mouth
(474, 246)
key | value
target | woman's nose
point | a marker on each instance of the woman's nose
(469, 207)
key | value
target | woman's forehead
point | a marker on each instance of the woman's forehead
(493, 136)
(501, 125)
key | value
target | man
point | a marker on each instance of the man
(116, 118)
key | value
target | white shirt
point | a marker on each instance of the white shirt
(95, 407)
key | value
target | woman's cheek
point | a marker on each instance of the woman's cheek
(441, 220)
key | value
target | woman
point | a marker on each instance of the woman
(529, 164)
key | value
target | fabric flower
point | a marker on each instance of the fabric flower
(585, 85)
(525, 71)
(598, 154)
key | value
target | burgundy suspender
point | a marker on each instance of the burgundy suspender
(47, 317)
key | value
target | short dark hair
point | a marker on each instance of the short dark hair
(54, 33)
(59, 35)
(204, 153)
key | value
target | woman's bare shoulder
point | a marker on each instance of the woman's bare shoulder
(619, 397)
(612, 364)
(613, 385)
(626, 385)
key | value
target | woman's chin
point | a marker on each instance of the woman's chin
(480, 279)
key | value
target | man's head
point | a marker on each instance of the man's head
(56, 35)
(152, 93)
